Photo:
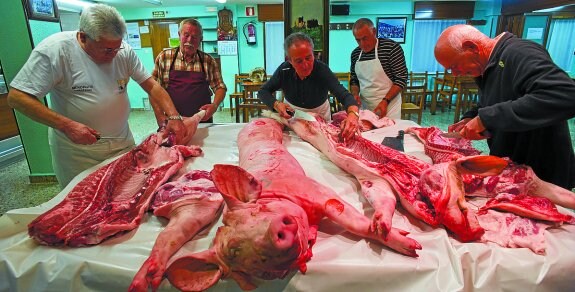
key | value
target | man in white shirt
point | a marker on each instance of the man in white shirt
(86, 73)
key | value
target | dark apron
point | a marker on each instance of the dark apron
(189, 90)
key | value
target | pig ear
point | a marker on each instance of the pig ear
(195, 272)
(484, 165)
(244, 281)
(235, 184)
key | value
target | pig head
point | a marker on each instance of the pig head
(261, 239)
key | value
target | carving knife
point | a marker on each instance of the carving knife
(299, 114)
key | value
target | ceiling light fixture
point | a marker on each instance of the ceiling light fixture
(73, 5)
(155, 2)
(221, 1)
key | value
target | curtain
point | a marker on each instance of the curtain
(561, 45)
(274, 39)
(426, 33)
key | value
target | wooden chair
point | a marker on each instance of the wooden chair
(417, 78)
(250, 105)
(237, 94)
(469, 99)
(413, 98)
(335, 105)
(445, 90)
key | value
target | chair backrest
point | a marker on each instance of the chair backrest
(414, 94)
(417, 78)
(343, 77)
(238, 79)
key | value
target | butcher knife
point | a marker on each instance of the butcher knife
(299, 114)
(450, 135)
(107, 137)
(394, 142)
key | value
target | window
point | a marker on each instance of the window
(274, 41)
(425, 35)
(560, 45)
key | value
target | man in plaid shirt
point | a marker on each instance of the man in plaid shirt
(189, 75)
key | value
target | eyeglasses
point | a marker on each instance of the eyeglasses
(107, 51)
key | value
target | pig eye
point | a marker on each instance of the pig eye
(287, 221)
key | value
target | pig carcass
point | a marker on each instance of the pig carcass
(113, 199)
(368, 120)
(190, 204)
(432, 193)
(442, 149)
(272, 218)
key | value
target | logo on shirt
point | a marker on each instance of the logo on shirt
(501, 64)
(83, 88)
(122, 84)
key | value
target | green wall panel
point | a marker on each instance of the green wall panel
(14, 54)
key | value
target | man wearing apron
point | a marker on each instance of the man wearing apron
(378, 71)
(305, 83)
(190, 75)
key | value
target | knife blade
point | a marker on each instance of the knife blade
(299, 114)
(450, 135)
(109, 137)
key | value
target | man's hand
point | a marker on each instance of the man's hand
(80, 133)
(349, 126)
(282, 108)
(474, 130)
(210, 109)
(381, 108)
(458, 126)
(177, 127)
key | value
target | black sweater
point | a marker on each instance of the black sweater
(525, 102)
(310, 92)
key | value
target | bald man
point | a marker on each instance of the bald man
(524, 104)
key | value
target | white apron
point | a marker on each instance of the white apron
(70, 159)
(374, 85)
(323, 110)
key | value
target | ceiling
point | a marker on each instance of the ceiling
(171, 3)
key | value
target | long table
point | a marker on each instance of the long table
(341, 261)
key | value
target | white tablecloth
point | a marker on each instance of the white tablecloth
(341, 261)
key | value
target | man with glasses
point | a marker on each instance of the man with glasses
(86, 73)
(190, 75)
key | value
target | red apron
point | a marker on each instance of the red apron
(189, 90)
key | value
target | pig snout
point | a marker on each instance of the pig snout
(282, 231)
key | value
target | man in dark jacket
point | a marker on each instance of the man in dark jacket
(525, 100)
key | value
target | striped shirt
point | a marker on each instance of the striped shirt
(164, 59)
(390, 56)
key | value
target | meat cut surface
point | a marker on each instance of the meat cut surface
(442, 149)
(112, 199)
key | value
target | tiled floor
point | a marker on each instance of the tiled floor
(17, 192)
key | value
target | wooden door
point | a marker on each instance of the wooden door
(511, 23)
(8, 127)
(160, 34)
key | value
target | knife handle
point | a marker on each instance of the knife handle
(400, 134)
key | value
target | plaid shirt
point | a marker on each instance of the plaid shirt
(162, 68)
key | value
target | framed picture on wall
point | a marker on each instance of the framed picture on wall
(45, 10)
(392, 28)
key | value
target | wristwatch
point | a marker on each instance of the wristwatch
(353, 112)
(178, 117)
